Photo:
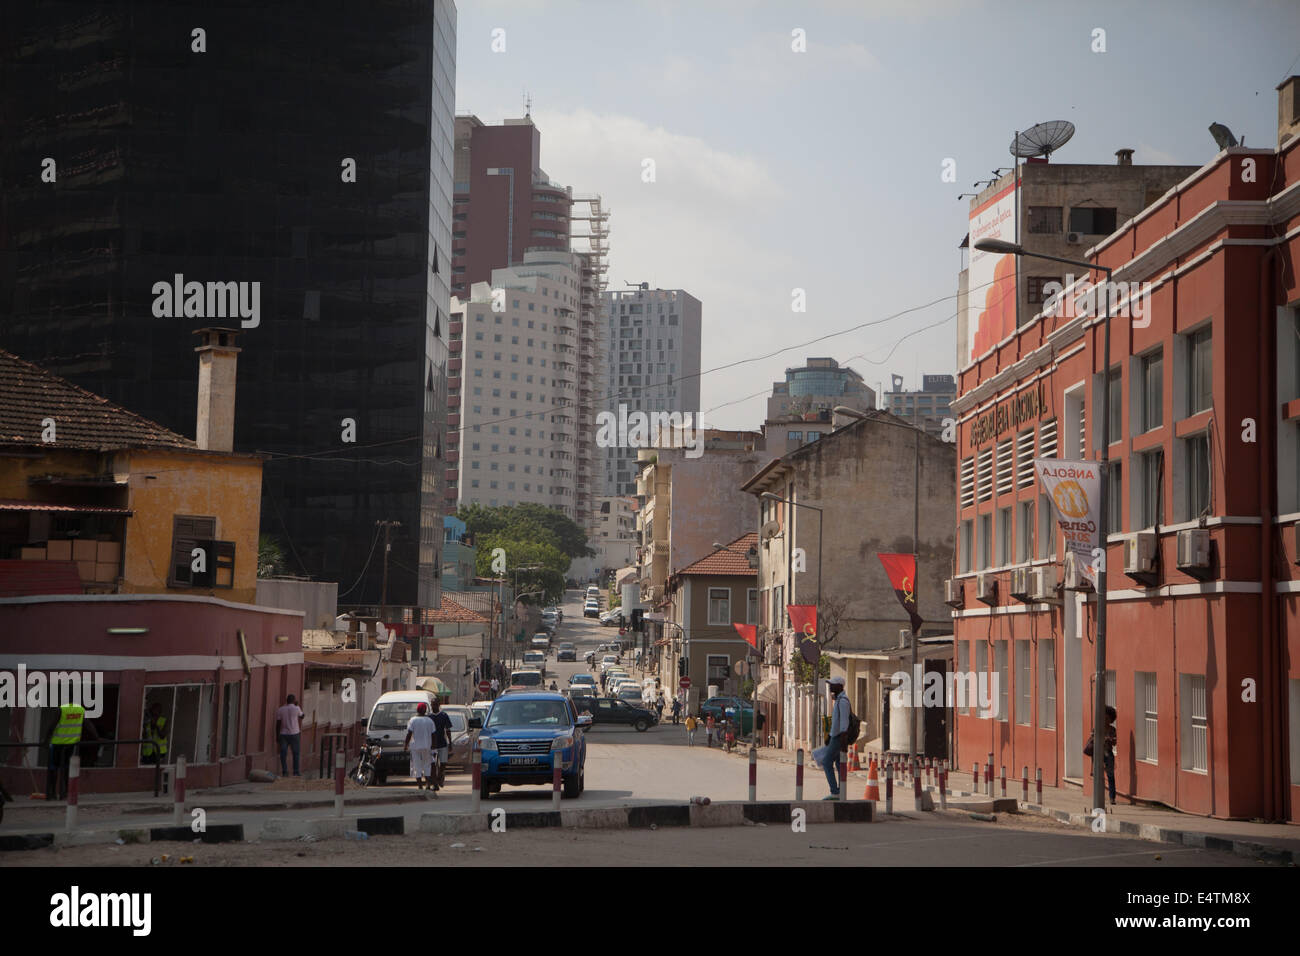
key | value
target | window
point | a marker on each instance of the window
(1034, 287)
(1004, 537)
(718, 667)
(1110, 689)
(1116, 406)
(1047, 683)
(1114, 488)
(1000, 659)
(1043, 219)
(967, 545)
(1192, 723)
(1151, 467)
(981, 670)
(1150, 400)
(218, 558)
(986, 541)
(1146, 745)
(1024, 686)
(1024, 531)
(794, 436)
(720, 606)
(1092, 221)
(188, 714)
(1195, 480)
(1200, 395)
(751, 609)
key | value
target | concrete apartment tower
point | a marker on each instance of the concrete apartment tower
(926, 408)
(509, 215)
(653, 365)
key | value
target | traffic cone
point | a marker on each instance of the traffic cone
(873, 784)
(854, 763)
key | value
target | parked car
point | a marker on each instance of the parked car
(743, 709)
(527, 678)
(611, 710)
(465, 725)
(591, 608)
(387, 727)
(582, 680)
(631, 693)
(566, 652)
(612, 618)
(526, 734)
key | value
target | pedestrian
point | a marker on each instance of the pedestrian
(1108, 753)
(420, 731)
(289, 732)
(659, 706)
(154, 751)
(837, 741)
(708, 730)
(691, 724)
(63, 740)
(496, 686)
(677, 708)
(441, 743)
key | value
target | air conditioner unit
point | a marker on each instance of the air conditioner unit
(954, 593)
(1140, 556)
(1020, 583)
(1074, 237)
(1194, 552)
(986, 587)
(1042, 584)
(1075, 579)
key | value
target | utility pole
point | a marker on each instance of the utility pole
(383, 592)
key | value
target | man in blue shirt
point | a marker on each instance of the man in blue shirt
(838, 741)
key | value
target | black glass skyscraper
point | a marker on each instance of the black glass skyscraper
(148, 139)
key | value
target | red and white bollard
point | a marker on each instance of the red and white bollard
(844, 777)
(889, 788)
(916, 785)
(1024, 784)
(178, 803)
(74, 789)
(988, 776)
(798, 774)
(943, 786)
(476, 776)
(1038, 785)
(1003, 780)
(753, 775)
(340, 761)
(557, 780)
(975, 772)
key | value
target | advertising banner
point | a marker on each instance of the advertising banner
(991, 276)
(1075, 487)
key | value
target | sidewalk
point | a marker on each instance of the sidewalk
(1073, 806)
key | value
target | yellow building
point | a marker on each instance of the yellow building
(95, 496)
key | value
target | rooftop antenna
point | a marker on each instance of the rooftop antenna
(1042, 139)
(528, 105)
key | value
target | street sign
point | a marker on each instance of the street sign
(484, 686)
(740, 668)
(684, 683)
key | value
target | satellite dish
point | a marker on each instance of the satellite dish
(770, 530)
(1043, 139)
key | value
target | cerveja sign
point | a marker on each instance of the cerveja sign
(1074, 487)
(1028, 406)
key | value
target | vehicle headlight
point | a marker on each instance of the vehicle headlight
(487, 743)
(561, 743)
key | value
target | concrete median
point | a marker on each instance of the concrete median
(288, 828)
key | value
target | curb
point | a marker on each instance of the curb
(284, 828)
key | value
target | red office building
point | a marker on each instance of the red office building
(1203, 591)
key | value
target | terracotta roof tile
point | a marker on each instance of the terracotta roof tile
(453, 613)
(727, 561)
(83, 420)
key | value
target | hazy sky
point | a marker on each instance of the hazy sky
(821, 170)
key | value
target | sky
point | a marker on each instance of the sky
(821, 170)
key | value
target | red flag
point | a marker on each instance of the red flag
(901, 569)
(749, 632)
(803, 618)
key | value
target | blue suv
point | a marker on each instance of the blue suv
(523, 737)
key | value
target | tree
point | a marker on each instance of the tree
(829, 617)
(801, 672)
(527, 522)
(270, 556)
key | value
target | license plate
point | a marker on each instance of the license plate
(523, 761)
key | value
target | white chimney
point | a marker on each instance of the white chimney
(215, 427)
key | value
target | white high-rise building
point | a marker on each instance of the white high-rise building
(653, 365)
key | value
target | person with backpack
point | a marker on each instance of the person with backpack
(1108, 754)
(838, 741)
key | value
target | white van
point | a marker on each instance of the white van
(387, 725)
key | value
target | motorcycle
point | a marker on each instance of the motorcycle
(368, 765)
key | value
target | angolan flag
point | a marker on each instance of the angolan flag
(749, 632)
(901, 569)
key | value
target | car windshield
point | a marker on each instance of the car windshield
(526, 678)
(527, 713)
(582, 679)
(392, 715)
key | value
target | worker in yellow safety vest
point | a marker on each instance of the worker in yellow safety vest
(155, 732)
(63, 741)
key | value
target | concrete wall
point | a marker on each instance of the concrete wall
(318, 600)
(707, 503)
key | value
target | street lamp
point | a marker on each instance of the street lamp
(916, 544)
(1103, 461)
(781, 673)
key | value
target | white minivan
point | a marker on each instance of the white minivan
(387, 726)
